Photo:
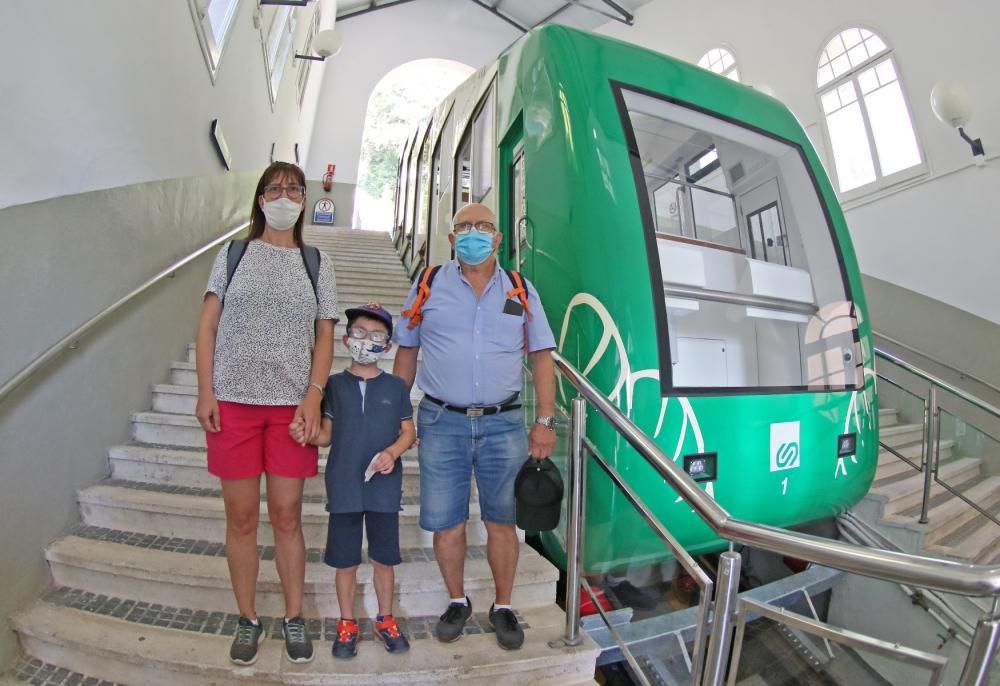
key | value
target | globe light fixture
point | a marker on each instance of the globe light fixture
(953, 106)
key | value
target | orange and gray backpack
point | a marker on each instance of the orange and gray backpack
(415, 311)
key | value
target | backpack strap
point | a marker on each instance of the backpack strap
(414, 312)
(311, 258)
(518, 290)
(237, 249)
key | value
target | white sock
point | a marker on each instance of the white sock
(501, 607)
(459, 601)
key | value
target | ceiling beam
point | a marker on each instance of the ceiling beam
(501, 15)
(372, 7)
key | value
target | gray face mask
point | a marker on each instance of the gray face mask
(281, 214)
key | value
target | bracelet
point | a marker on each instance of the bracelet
(318, 388)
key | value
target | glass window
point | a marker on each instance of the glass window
(721, 61)
(306, 65)
(463, 173)
(422, 193)
(213, 20)
(867, 117)
(753, 287)
(277, 46)
(482, 134)
(412, 181)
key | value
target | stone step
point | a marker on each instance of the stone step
(901, 434)
(385, 276)
(981, 546)
(955, 513)
(161, 428)
(188, 468)
(888, 416)
(905, 493)
(889, 465)
(187, 579)
(178, 512)
(129, 652)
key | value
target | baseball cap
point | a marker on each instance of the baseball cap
(371, 310)
(538, 491)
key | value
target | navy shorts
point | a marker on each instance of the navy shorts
(343, 538)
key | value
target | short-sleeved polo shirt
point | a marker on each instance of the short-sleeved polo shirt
(363, 425)
(473, 347)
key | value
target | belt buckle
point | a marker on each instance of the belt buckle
(474, 411)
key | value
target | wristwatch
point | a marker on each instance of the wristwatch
(548, 422)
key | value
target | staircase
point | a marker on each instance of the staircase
(141, 592)
(954, 528)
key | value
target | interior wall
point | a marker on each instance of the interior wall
(378, 42)
(934, 235)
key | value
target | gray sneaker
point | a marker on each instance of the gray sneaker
(450, 625)
(510, 635)
(298, 647)
(247, 640)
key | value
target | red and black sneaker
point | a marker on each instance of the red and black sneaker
(346, 645)
(387, 631)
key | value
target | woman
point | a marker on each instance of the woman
(264, 350)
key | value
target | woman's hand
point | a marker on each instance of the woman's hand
(207, 412)
(384, 463)
(308, 412)
(297, 430)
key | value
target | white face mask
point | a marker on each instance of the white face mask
(365, 351)
(281, 214)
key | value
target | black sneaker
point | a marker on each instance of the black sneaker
(510, 635)
(298, 647)
(449, 626)
(632, 596)
(389, 633)
(247, 640)
(346, 644)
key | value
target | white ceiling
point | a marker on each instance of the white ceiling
(524, 14)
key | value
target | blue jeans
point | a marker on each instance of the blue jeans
(452, 446)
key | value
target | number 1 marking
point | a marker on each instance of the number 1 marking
(784, 486)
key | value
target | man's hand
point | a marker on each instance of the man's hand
(541, 442)
(308, 413)
(384, 464)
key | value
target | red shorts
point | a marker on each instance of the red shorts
(254, 439)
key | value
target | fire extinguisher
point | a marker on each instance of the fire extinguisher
(328, 177)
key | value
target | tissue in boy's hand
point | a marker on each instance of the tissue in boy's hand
(370, 472)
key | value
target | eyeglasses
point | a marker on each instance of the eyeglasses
(481, 227)
(294, 193)
(373, 336)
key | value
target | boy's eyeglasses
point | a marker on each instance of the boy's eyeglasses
(480, 227)
(373, 336)
(294, 193)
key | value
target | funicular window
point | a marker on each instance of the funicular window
(436, 186)
(475, 158)
(463, 173)
(754, 289)
(420, 202)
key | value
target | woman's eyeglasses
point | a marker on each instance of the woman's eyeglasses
(293, 193)
(373, 336)
(480, 227)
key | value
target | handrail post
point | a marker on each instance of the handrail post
(574, 524)
(976, 671)
(722, 622)
(931, 453)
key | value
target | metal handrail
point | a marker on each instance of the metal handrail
(70, 340)
(940, 383)
(935, 360)
(939, 574)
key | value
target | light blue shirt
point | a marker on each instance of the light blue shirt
(472, 349)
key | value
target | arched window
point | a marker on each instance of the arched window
(867, 117)
(721, 61)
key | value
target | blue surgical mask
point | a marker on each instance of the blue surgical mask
(473, 248)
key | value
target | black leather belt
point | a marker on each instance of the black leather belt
(508, 404)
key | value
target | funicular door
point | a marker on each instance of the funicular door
(764, 223)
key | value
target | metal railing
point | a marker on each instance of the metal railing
(930, 457)
(917, 351)
(71, 340)
(927, 572)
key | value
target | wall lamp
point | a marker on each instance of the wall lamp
(953, 106)
(325, 44)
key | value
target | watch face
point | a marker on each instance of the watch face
(547, 422)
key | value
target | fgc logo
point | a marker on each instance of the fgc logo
(784, 446)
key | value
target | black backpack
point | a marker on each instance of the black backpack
(310, 257)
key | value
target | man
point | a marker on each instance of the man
(472, 330)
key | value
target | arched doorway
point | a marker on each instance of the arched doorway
(399, 100)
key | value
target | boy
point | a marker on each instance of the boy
(364, 475)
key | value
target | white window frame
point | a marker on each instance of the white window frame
(277, 30)
(881, 181)
(731, 72)
(206, 38)
(305, 66)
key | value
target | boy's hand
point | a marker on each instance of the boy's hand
(297, 430)
(384, 464)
